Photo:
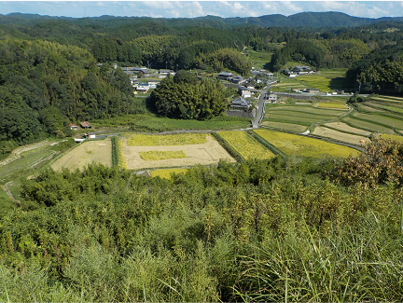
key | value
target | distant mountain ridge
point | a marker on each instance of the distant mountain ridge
(305, 19)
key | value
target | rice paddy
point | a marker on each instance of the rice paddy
(297, 117)
(339, 105)
(162, 155)
(296, 145)
(247, 146)
(307, 109)
(166, 140)
(339, 136)
(386, 120)
(347, 128)
(167, 173)
(392, 137)
(366, 125)
(285, 126)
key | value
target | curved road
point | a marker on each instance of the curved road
(260, 108)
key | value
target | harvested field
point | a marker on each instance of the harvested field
(285, 126)
(204, 153)
(166, 173)
(338, 105)
(347, 128)
(86, 153)
(368, 125)
(392, 137)
(295, 145)
(162, 155)
(340, 136)
(166, 140)
(247, 146)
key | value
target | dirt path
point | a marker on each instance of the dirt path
(16, 153)
(5, 186)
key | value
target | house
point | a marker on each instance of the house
(292, 75)
(311, 90)
(73, 126)
(237, 79)
(272, 98)
(244, 92)
(85, 124)
(142, 87)
(91, 135)
(241, 103)
(225, 76)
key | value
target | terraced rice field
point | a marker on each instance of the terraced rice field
(392, 137)
(297, 117)
(340, 136)
(369, 108)
(308, 109)
(165, 140)
(167, 173)
(247, 146)
(347, 128)
(85, 153)
(304, 146)
(206, 153)
(394, 109)
(339, 105)
(387, 120)
(285, 126)
(368, 125)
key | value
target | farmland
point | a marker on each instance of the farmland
(347, 128)
(366, 125)
(392, 137)
(161, 155)
(298, 117)
(339, 105)
(340, 136)
(99, 151)
(307, 109)
(295, 145)
(285, 126)
(387, 120)
(199, 149)
(247, 146)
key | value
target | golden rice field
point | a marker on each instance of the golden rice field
(122, 161)
(295, 145)
(344, 127)
(166, 140)
(340, 136)
(247, 146)
(161, 155)
(167, 173)
(392, 137)
(338, 105)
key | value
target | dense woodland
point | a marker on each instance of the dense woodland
(274, 230)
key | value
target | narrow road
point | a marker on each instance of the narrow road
(260, 109)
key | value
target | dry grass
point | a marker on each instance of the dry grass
(340, 136)
(86, 153)
(247, 146)
(167, 173)
(304, 146)
(344, 127)
(166, 140)
(207, 153)
(162, 155)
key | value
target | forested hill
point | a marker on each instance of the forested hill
(305, 19)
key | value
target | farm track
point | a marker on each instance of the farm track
(7, 190)
(16, 153)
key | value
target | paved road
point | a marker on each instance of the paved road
(260, 109)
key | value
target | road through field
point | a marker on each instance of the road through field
(16, 153)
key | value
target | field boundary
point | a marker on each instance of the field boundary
(228, 147)
(115, 151)
(267, 144)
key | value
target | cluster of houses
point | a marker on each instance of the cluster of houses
(297, 71)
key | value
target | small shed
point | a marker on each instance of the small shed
(85, 124)
(73, 126)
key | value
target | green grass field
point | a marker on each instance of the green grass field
(307, 109)
(394, 109)
(392, 137)
(297, 117)
(326, 80)
(295, 145)
(285, 126)
(368, 125)
(393, 122)
(259, 59)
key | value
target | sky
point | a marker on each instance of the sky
(189, 9)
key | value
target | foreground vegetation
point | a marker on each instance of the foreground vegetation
(281, 229)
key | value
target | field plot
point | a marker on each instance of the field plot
(392, 137)
(206, 153)
(166, 173)
(340, 136)
(308, 109)
(325, 81)
(86, 153)
(285, 126)
(368, 125)
(370, 107)
(394, 109)
(247, 146)
(347, 128)
(162, 155)
(297, 117)
(304, 146)
(387, 120)
(338, 105)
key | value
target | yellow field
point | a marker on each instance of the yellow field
(304, 146)
(164, 140)
(245, 145)
(340, 136)
(122, 161)
(338, 105)
(166, 173)
(210, 152)
(347, 128)
(162, 155)
(86, 153)
(392, 137)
